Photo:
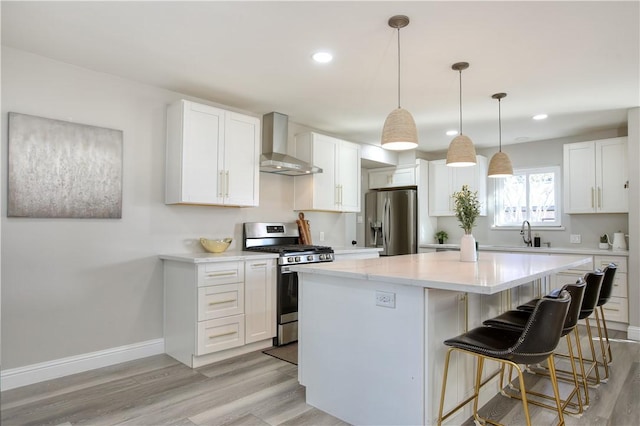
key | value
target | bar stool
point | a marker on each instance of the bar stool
(591, 294)
(535, 343)
(605, 294)
(517, 320)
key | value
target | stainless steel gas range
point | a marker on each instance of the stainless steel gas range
(284, 239)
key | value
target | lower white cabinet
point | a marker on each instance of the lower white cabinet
(217, 310)
(260, 298)
(617, 308)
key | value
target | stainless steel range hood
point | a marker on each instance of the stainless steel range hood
(274, 159)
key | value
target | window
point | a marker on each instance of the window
(532, 194)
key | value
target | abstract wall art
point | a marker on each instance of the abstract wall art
(60, 169)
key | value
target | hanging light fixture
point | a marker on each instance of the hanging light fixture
(461, 152)
(399, 132)
(500, 164)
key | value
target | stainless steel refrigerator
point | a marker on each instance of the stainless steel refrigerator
(392, 221)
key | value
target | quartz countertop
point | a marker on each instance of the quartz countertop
(352, 250)
(525, 249)
(492, 273)
(226, 256)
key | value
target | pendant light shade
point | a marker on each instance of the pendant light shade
(500, 164)
(399, 131)
(461, 152)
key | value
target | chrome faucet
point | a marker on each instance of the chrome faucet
(527, 239)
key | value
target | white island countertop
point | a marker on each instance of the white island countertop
(492, 273)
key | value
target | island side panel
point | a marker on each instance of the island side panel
(450, 314)
(361, 362)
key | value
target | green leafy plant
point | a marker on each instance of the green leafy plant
(441, 236)
(467, 208)
(604, 238)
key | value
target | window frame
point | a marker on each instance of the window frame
(497, 201)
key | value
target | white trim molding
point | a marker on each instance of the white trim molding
(633, 333)
(35, 373)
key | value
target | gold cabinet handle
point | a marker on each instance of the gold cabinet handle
(223, 334)
(593, 201)
(613, 310)
(258, 265)
(599, 197)
(222, 274)
(226, 184)
(222, 301)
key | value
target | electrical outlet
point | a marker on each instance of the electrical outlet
(359, 219)
(575, 239)
(385, 299)
(321, 236)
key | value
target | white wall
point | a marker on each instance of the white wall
(634, 223)
(74, 286)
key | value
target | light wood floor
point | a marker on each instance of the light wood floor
(255, 389)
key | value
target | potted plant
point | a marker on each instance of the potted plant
(467, 209)
(604, 242)
(441, 236)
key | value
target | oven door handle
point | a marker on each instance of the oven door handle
(286, 270)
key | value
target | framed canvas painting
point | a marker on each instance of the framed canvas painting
(59, 169)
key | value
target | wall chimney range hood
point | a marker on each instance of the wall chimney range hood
(274, 159)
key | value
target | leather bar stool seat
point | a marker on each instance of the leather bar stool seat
(535, 343)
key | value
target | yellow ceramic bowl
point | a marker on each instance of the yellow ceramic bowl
(215, 246)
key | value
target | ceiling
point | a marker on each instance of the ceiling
(578, 62)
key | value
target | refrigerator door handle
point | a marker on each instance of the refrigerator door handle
(385, 225)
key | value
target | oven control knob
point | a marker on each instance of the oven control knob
(289, 259)
(321, 257)
(309, 258)
(297, 258)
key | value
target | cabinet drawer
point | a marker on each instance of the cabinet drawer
(616, 309)
(218, 334)
(619, 285)
(219, 301)
(220, 273)
(620, 261)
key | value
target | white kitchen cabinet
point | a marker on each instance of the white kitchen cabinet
(445, 180)
(596, 179)
(212, 156)
(617, 308)
(260, 299)
(217, 310)
(392, 177)
(337, 188)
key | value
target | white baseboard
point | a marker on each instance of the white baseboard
(633, 333)
(35, 373)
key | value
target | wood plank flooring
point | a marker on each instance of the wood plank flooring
(256, 389)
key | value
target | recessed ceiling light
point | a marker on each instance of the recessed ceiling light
(322, 57)
(540, 116)
(452, 132)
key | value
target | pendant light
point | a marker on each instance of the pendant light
(500, 164)
(461, 152)
(399, 132)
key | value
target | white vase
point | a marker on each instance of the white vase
(468, 248)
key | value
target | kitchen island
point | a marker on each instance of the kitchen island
(371, 330)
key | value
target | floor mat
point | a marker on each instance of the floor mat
(287, 353)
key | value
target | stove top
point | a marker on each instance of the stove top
(292, 249)
(283, 238)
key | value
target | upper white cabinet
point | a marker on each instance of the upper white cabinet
(596, 179)
(212, 157)
(337, 188)
(445, 180)
(392, 177)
